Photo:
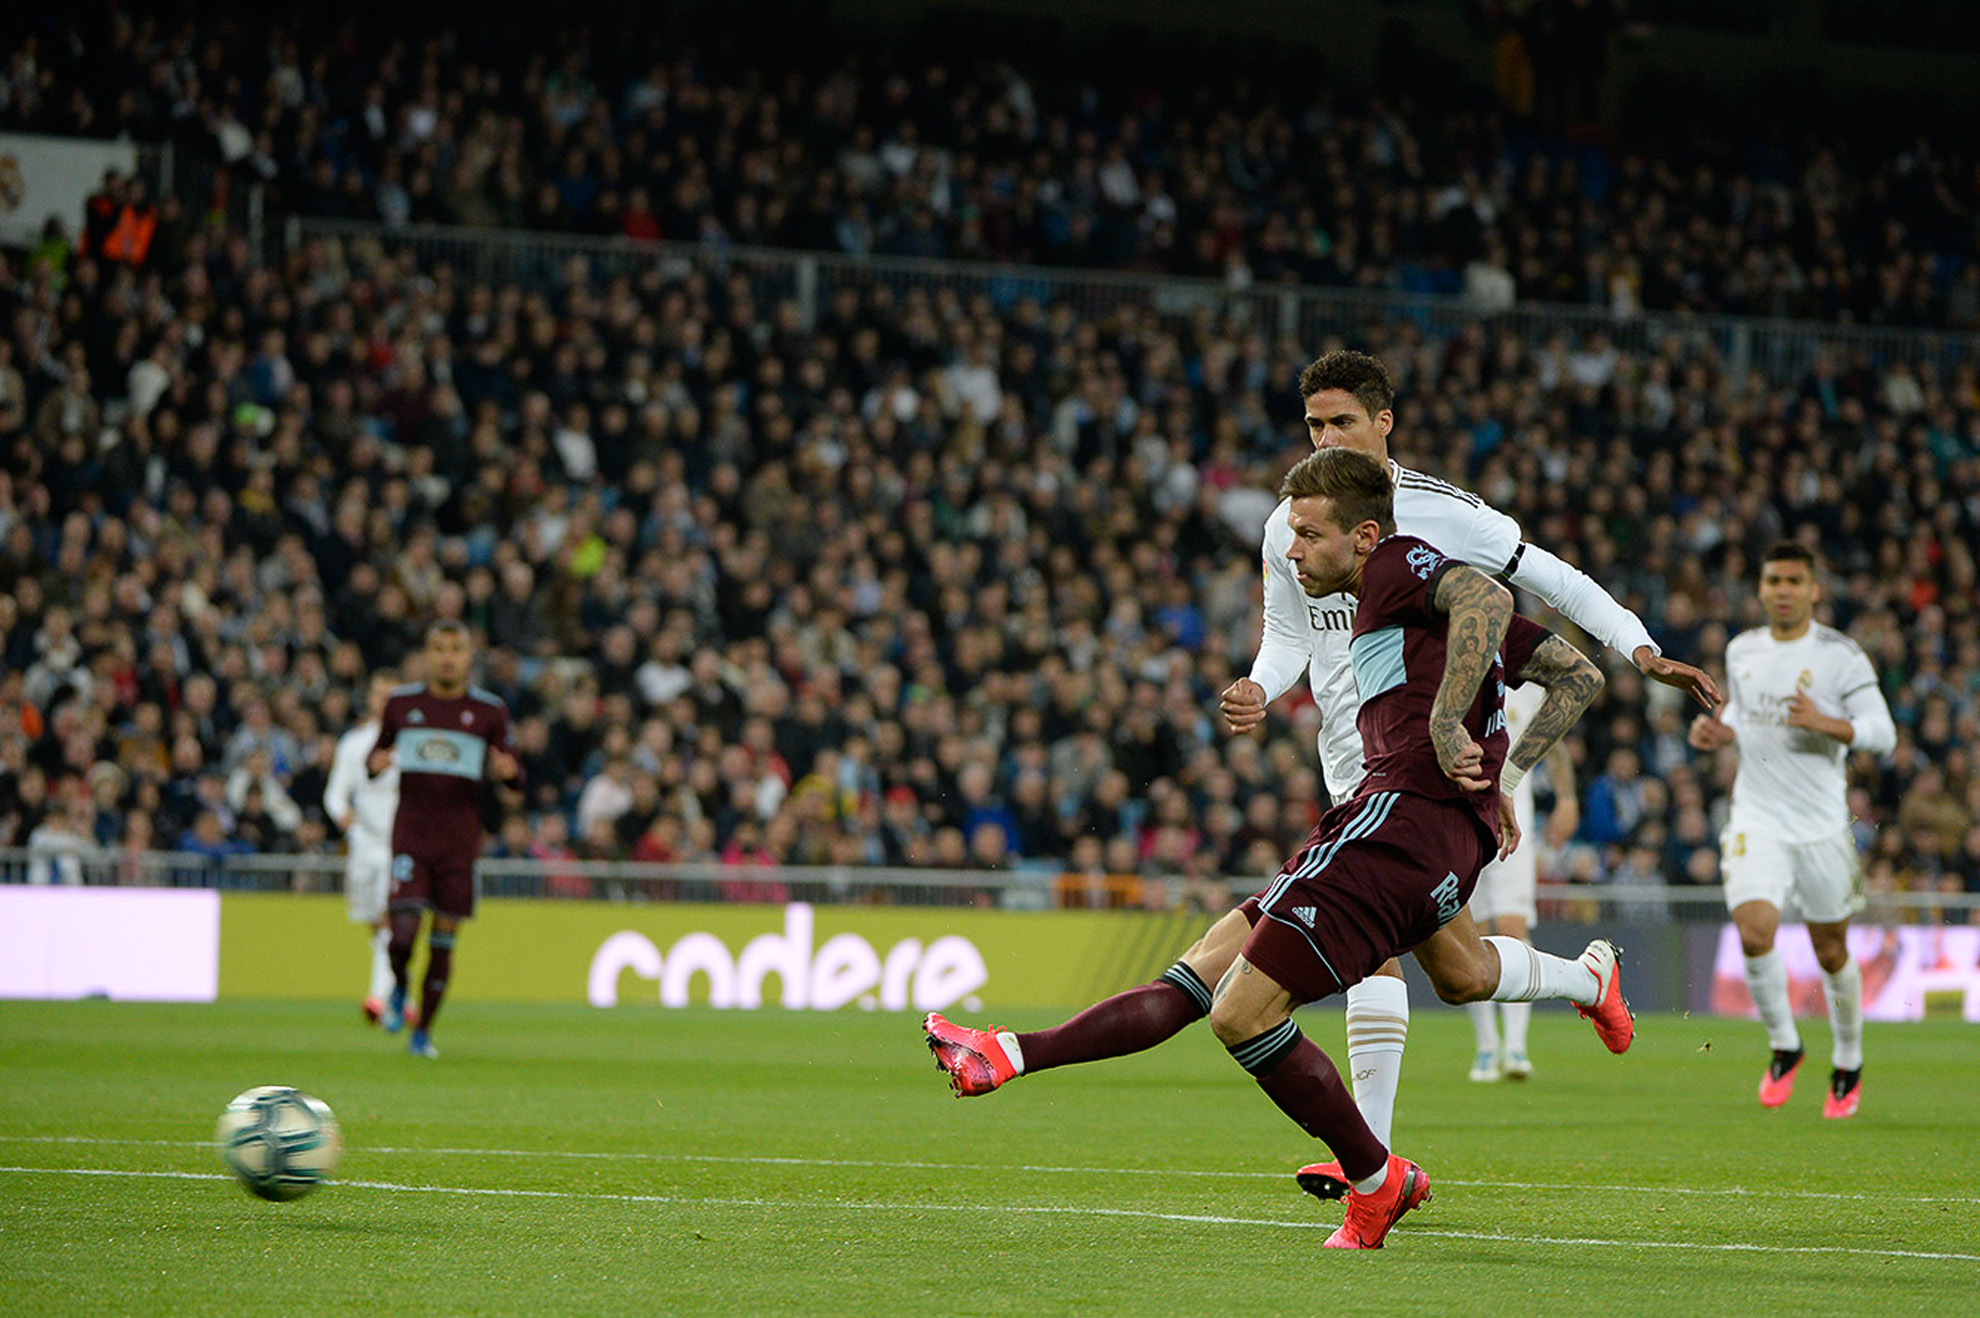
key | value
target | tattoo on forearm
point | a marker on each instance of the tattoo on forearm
(1572, 681)
(1479, 610)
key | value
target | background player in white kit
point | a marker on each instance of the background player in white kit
(1505, 903)
(1801, 696)
(1349, 402)
(363, 806)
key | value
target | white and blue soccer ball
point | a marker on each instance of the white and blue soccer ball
(280, 1142)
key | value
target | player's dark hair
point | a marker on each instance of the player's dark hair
(1356, 372)
(1789, 551)
(449, 626)
(1357, 485)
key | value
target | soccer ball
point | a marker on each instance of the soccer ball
(279, 1141)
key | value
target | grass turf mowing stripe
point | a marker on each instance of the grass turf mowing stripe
(1731, 1191)
(1205, 1219)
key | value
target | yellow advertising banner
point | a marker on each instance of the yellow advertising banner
(795, 956)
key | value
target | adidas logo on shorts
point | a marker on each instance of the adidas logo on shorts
(1304, 914)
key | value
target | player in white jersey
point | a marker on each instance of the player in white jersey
(1350, 404)
(1505, 901)
(1802, 696)
(363, 807)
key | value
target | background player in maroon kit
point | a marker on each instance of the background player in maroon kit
(448, 738)
(1385, 872)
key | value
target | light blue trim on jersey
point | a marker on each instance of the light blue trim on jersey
(1377, 658)
(483, 693)
(442, 751)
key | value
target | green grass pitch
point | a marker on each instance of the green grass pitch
(564, 1160)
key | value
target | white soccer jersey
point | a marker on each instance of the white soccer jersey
(371, 801)
(1792, 783)
(1312, 634)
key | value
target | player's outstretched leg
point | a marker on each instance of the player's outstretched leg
(978, 1061)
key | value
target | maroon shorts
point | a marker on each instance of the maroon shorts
(1377, 876)
(443, 882)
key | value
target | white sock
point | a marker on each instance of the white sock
(1377, 1029)
(1485, 1024)
(1008, 1042)
(1845, 993)
(1375, 1182)
(1517, 1014)
(1767, 981)
(381, 964)
(1527, 974)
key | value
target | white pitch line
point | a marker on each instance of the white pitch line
(1013, 1210)
(1729, 1191)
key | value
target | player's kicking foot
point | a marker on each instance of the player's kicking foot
(974, 1060)
(395, 1012)
(1485, 1066)
(1777, 1083)
(1323, 1180)
(1614, 1024)
(420, 1045)
(1845, 1091)
(1518, 1067)
(373, 1009)
(1369, 1216)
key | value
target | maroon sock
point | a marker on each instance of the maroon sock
(1302, 1080)
(405, 931)
(1125, 1023)
(439, 964)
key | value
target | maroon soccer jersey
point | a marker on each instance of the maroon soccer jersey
(443, 760)
(1397, 652)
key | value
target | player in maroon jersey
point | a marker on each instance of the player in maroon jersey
(1387, 871)
(448, 739)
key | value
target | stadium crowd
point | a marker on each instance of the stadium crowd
(927, 582)
(1258, 174)
(930, 581)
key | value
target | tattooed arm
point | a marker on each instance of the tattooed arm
(1479, 609)
(1572, 681)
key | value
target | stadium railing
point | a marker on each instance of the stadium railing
(1778, 350)
(1016, 889)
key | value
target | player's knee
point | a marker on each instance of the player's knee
(1233, 1022)
(1460, 982)
(1756, 942)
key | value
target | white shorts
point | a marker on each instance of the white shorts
(1505, 887)
(367, 879)
(1822, 879)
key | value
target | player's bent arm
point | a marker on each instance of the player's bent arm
(1572, 681)
(1582, 600)
(1479, 610)
(1871, 726)
(1284, 647)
